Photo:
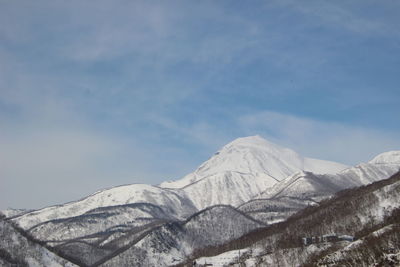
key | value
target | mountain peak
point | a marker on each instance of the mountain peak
(257, 157)
(248, 139)
(387, 157)
(254, 140)
(257, 145)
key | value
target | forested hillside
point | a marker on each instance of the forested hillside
(370, 214)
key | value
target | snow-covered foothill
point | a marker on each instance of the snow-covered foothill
(172, 243)
(20, 251)
(225, 259)
(308, 184)
(172, 201)
(10, 212)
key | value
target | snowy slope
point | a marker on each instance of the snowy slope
(307, 184)
(390, 157)
(276, 209)
(100, 222)
(229, 188)
(225, 259)
(385, 251)
(171, 201)
(14, 212)
(17, 250)
(306, 188)
(172, 243)
(244, 169)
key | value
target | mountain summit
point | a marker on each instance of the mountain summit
(390, 157)
(257, 156)
(244, 168)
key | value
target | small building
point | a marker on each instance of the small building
(346, 238)
(327, 238)
(330, 238)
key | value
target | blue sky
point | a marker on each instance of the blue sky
(96, 94)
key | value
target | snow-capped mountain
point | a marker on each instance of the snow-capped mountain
(303, 188)
(259, 157)
(173, 202)
(307, 184)
(243, 169)
(237, 173)
(165, 224)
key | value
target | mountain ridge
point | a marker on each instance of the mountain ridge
(253, 164)
(383, 165)
(177, 202)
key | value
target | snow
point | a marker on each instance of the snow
(230, 188)
(306, 183)
(387, 204)
(171, 243)
(133, 217)
(244, 169)
(387, 157)
(237, 173)
(19, 247)
(13, 212)
(349, 246)
(223, 259)
(175, 201)
(366, 173)
(241, 171)
(256, 155)
(373, 208)
(46, 260)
